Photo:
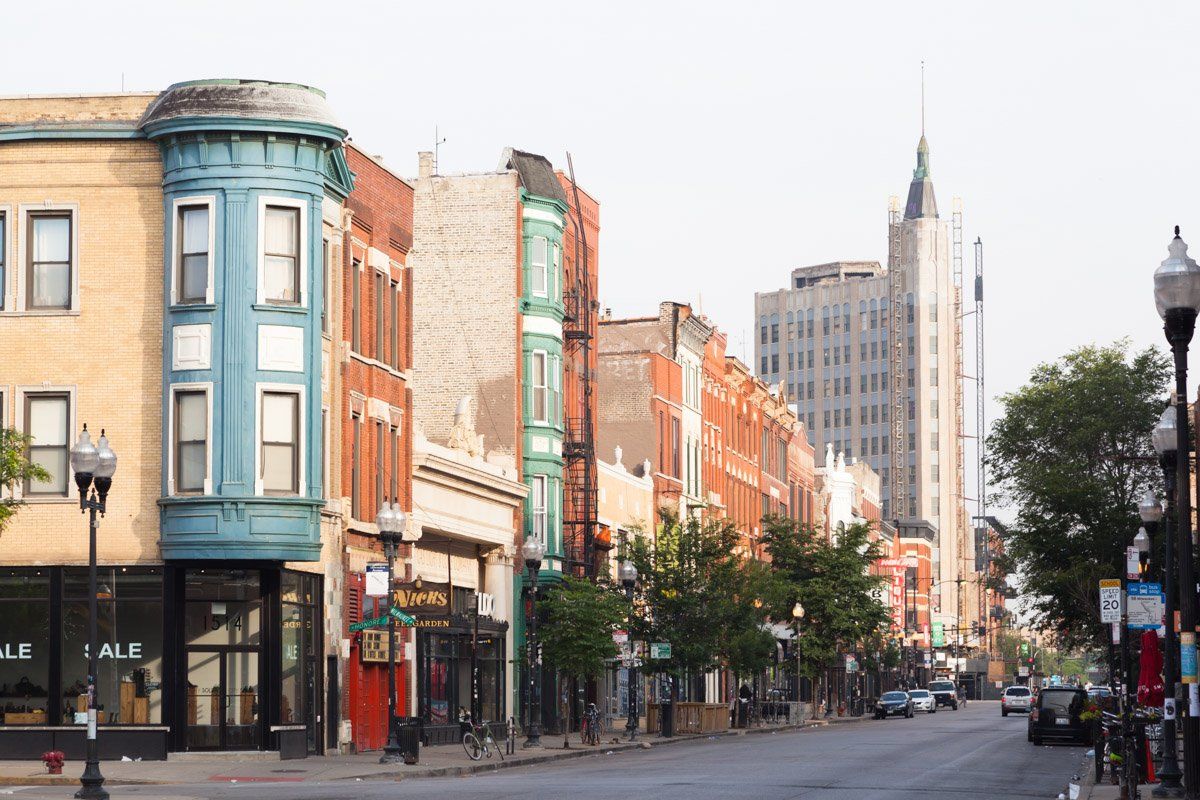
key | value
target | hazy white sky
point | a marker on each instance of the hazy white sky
(730, 142)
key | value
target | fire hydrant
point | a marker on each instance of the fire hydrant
(53, 759)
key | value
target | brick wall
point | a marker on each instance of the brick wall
(465, 318)
(111, 352)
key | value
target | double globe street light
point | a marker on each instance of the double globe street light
(628, 575)
(533, 551)
(1177, 298)
(94, 466)
(391, 522)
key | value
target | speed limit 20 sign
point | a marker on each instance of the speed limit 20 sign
(1110, 600)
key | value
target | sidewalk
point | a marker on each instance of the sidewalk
(445, 760)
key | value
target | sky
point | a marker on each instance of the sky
(731, 142)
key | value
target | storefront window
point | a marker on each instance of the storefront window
(298, 691)
(24, 646)
(446, 675)
(129, 663)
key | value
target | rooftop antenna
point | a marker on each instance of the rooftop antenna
(922, 97)
(437, 143)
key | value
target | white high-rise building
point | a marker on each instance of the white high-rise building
(825, 339)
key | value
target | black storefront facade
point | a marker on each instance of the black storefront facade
(192, 658)
(448, 665)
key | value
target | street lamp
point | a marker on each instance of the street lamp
(1177, 298)
(1165, 442)
(533, 551)
(797, 616)
(391, 522)
(94, 466)
(628, 574)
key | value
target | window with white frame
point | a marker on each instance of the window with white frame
(191, 441)
(50, 255)
(555, 381)
(281, 254)
(556, 277)
(538, 507)
(47, 421)
(537, 262)
(540, 388)
(280, 442)
(3, 261)
(192, 256)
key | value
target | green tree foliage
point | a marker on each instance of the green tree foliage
(14, 470)
(580, 619)
(696, 593)
(1071, 455)
(833, 583)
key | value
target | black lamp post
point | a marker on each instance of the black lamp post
(1177, 297)
(797, 618)
(93, 466)
(533, 551)
(1151, 511)
(628, 574)
(391, 522)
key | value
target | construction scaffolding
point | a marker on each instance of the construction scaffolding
(897, 365)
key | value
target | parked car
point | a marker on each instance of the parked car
(945, 693)
(894, 704)
(1016, 698)
(1056, 715)
(922, 700)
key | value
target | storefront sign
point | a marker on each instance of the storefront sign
(431, 622)
(377, 580)
(374, 647)
(428, 599)
(19, 650)
(118, 650)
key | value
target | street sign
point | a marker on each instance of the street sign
(377, 580)
(1110, 600)
(1023, 671)
(1144, 606)
(660, 650)
(939, 634)
(1133, 564)
(373, 622)
(401, 617)
(620, 637)
(851, 663)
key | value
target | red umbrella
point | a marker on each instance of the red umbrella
(1150, 684)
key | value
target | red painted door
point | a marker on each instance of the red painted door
(368, 685)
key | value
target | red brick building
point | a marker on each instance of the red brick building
(376, 428)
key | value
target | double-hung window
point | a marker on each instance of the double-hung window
(541, 400)
(356, 306)
(537, 263)
(395, 360)
(538, 507)
(356, 507)
(47, 417)
(380, 444)
(555, 382)
(3, 260)
(280, 421)
(50, 260)
(380, 321)
(192, 281)
(191, 441)
(281, 254)
(555, 275)
(325, 256)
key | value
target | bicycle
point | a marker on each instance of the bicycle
(479, 742)
(589, 729)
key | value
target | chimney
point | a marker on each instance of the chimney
(425, 161)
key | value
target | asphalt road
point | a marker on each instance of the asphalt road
(972, 753)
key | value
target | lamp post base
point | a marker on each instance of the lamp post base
(92, 783)
(391, 752)
(533, 738)
(632, 730)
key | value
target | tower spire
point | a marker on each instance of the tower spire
(922, 99)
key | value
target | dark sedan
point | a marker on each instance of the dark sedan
(894, 704)
(1055, 715)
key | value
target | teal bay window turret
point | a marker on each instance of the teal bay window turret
(248, 167)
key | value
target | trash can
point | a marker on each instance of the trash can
(667, 719)
(408, 734)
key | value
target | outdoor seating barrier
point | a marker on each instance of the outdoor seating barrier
(692, 718)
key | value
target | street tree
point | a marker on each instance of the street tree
(581, 615)
(832, 581)
(15, 469)
(1071, 455)
(688, 595)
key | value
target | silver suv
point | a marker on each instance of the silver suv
(1016, 698)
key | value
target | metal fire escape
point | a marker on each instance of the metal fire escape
(898, 365)
(579, 442)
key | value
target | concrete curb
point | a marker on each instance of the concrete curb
(67, 780)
